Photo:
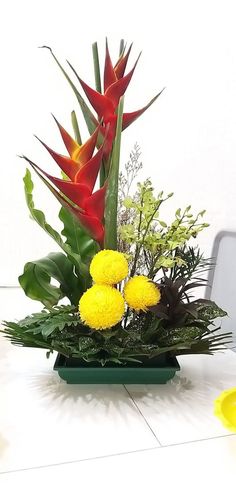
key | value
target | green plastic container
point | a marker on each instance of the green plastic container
(76, 371)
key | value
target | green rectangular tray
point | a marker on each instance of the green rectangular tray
(75, 371)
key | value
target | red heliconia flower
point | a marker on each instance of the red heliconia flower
(115, 85)
(76, 193)
(112, 74)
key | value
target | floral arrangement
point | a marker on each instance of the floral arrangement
(126, 273)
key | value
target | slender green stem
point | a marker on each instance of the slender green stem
(75, 125)
(96, 67)
(113, 183)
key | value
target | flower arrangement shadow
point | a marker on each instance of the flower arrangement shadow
(53, 391)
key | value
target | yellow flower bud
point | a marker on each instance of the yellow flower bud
(108, 267)
(101, 307)
(140, 293)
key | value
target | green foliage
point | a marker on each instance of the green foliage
(76, 237)
(145, 337)
(195, 265)
(36, 330)
(36, 280)
(210, 311)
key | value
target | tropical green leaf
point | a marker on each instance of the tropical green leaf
(76, 237)
(36, 280)
(19, 336)
(39, 217)
(36, 284)
(56, 323)
(208, 310)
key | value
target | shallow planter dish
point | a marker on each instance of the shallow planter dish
(155, 371)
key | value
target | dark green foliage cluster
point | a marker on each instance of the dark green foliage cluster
(146, 336)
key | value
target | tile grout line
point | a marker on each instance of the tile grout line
(140, 412)
(122, 453)
(198, 440)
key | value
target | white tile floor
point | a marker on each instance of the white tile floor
(52, 432)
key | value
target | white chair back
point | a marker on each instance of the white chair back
(222, 280)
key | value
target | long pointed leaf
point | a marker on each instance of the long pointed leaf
(96, 67)
(75, 126)
(90, 119)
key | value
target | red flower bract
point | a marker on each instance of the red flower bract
(76, 193)
(115, 85)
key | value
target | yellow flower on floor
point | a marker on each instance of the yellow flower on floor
(140, 293)
(108, 267)
(101, 307)
(225, 409)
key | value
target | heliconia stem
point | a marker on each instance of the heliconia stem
(113, 183)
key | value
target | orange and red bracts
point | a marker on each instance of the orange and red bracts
(115, 85)
(76, 193)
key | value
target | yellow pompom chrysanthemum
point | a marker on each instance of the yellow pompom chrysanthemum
(225, 409)
(101, 307)
(140, 293)
(108, 267)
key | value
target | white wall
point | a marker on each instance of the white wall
(188, 137)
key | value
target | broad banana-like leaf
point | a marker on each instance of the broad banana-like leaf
(37, 275)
